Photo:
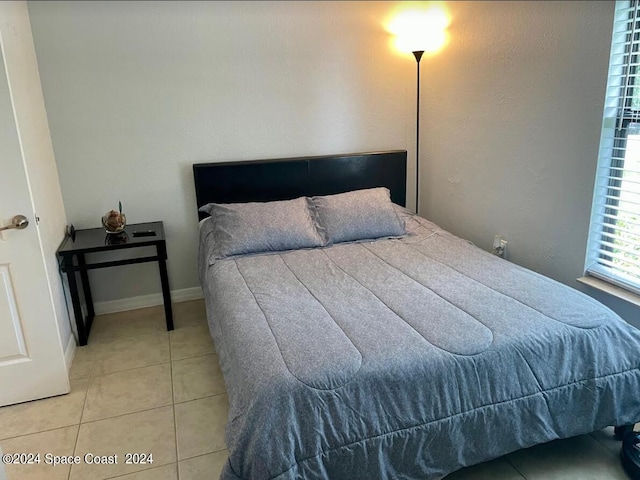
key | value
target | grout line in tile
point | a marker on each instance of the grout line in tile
(170, 349)
(73, 452)
(39, 431)
(129, 369)
(173, 409)
(201, 398)
(514, 467)
(145, 470)
(128, 413)
(602, 445)
(75, 445)
(202, 454)
(124, 414)
(597, 439)
(116, 343)
(137, 411)
(84, 405)
(116, 338)
(108, 340)
(88, 375)
(195, 356)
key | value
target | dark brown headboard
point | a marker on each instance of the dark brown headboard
(287, 178)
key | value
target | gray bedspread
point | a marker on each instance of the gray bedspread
(406, 358)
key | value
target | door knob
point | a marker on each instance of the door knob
(19, 222)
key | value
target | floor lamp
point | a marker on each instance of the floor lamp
(419, 30)
(418, 55)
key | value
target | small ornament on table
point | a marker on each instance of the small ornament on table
(114, 222)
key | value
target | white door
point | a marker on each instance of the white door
(31, 358)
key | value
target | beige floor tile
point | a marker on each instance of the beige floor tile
(197, 377)
(55, 442)
(127, 392)
(142, 321)
(578, 458)
(200, 426)
(187, 342)
(82, 363)
(120, 354)
(46, 414)
(205, 467)
(166, 472)
(498, 469)
(607, 438)
(189, 314)
(151, 431)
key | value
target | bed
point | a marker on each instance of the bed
(404, 356)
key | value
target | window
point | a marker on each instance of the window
(613, 251)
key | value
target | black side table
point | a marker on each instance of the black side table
(97, 240)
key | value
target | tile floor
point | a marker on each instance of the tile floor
(138, 388)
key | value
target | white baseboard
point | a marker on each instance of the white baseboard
(70, 351)
(142, 301)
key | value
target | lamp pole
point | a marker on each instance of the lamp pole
(418, 55)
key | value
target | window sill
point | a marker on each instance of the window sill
(610, 289)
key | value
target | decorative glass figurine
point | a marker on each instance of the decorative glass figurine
(114, 222)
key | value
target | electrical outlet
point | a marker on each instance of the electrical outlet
(499, 246)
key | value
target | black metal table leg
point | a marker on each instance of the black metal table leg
(86, 289)
(164, 279)
(77, 309)
(621, 430)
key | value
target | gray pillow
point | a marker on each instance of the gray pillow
(359, 215)
(240, 228)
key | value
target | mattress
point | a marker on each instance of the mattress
(406, 358)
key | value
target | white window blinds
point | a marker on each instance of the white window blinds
(613, 251)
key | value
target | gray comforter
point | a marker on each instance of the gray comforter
(406, 358)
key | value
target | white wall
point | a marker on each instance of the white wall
(138, 91)
(512, 115)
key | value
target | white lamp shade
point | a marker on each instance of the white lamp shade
(420, 30)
